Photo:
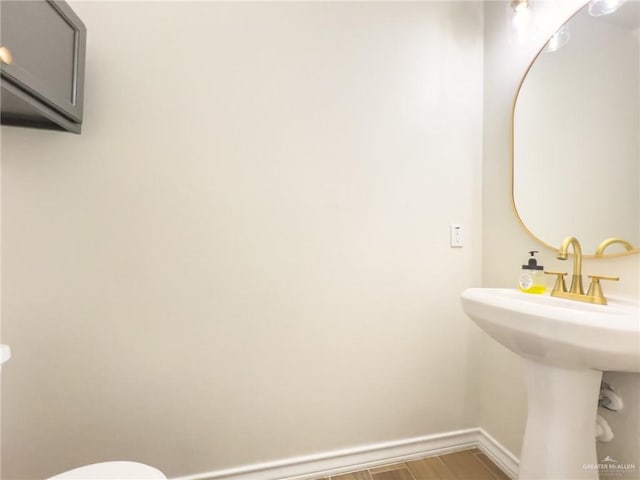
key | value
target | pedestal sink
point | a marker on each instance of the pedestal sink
(566, 346)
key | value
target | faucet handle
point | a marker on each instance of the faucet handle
(603, 277)
(595, 289)
(560, 285)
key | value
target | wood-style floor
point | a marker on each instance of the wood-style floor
(466, 465)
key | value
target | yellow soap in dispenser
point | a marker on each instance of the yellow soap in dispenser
(531, 278)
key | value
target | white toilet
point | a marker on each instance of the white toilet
(105, 470)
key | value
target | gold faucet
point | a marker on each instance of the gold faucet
(610, 241)
(576, 279)
(576, 290)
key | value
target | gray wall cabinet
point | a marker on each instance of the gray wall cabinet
(43, 85)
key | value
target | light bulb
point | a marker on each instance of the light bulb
(521, 17)
(558, 39)
(604, 7)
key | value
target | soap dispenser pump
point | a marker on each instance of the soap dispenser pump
(531, 279)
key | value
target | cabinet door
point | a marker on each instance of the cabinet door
(47, 41)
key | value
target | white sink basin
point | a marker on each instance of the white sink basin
(557, 331)
(565, 345)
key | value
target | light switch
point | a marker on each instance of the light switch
(456, 237)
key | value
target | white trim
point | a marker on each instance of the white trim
(498, 454)
(359, 458)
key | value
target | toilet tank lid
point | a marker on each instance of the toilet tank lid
(112, 471)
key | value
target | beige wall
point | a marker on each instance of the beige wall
(502, 396)
(244, 257)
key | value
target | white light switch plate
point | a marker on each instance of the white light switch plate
(456, 236)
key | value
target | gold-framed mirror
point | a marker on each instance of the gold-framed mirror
(576, 135)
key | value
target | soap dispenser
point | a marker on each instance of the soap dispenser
(531, 279)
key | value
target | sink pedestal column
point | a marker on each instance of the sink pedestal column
(559, 441)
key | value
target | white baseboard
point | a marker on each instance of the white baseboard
(359, 458)
(498, 454)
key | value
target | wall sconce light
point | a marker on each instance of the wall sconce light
(519, 5)
(521, 18)
(604, 7)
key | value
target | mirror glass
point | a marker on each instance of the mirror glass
(576, 134)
